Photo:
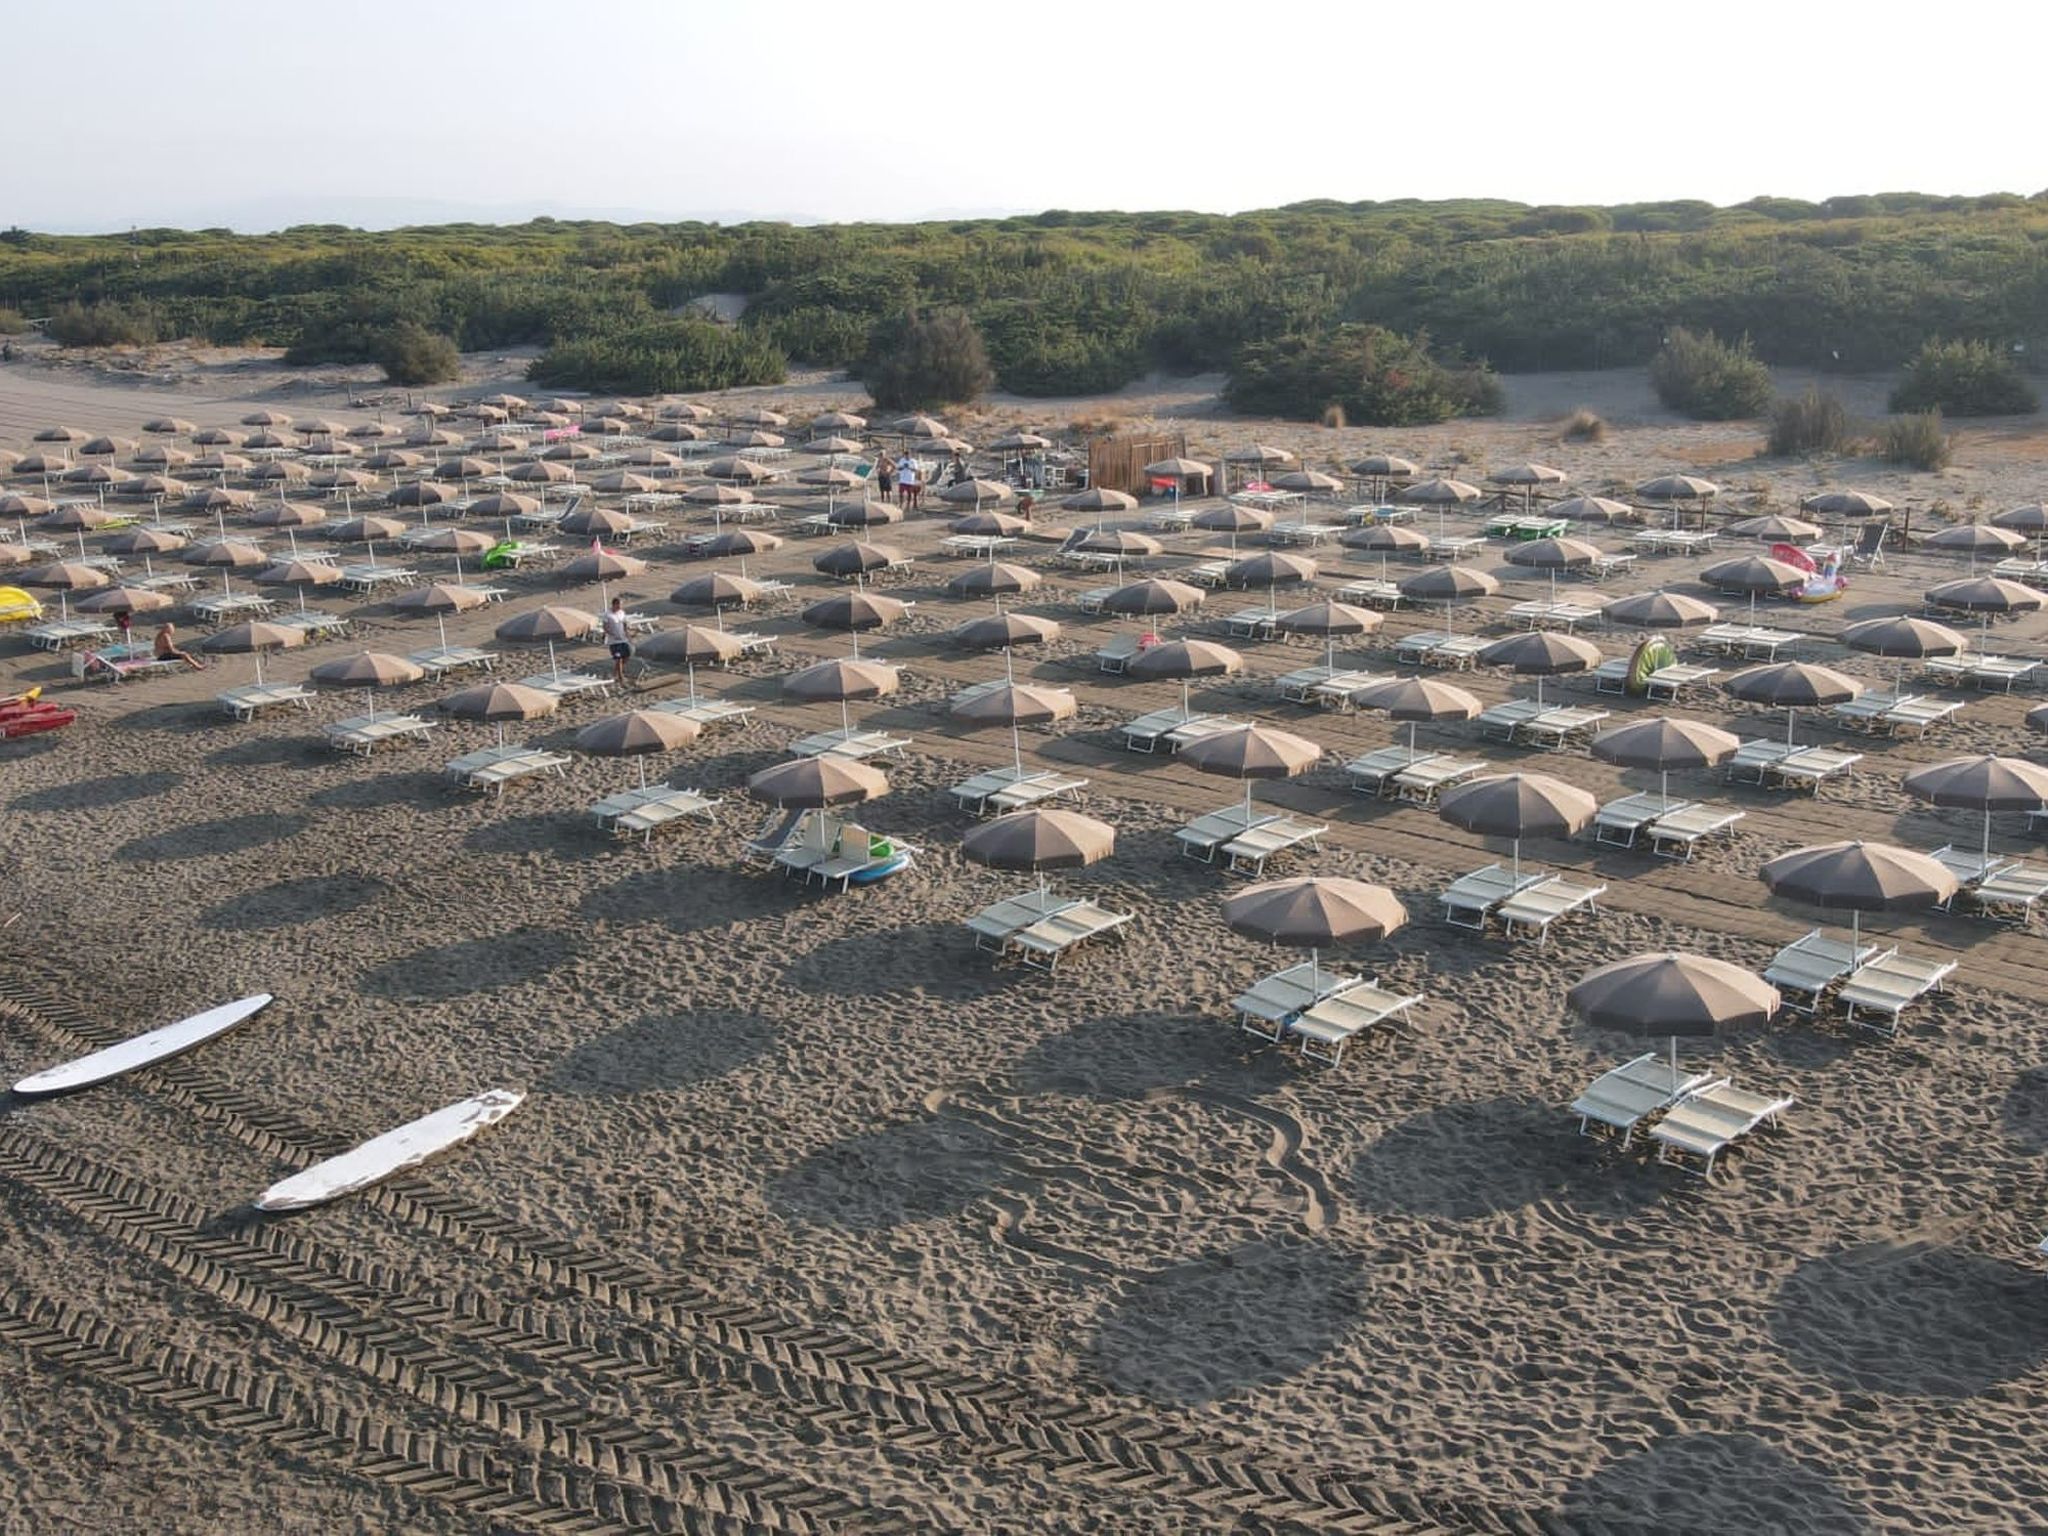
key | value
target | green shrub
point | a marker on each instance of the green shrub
(1916, 440)
(925, 361)
(105, 325)
(1710, 379)
(1811, 423)
(12, 321)
(826, 338)
(667, 357)
(412, 354)
(1377, 378)
(1584, 426)
(1964, 378)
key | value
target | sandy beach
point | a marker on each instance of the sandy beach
(817, 1220)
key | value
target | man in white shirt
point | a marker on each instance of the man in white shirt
(619, 639)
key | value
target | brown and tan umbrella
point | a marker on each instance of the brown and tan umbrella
(267, 418)
(624, 482)
(299, 573)
(1449, 585)
(1124, 543)
(1847, 504)
(78, 517)
(856, 559)
(505, 504)
(1273, 568)
(1313, 913)
(370, 431)
(837, 421)
(1974, 539)
(759, 416)
(218, 499)
(1776, 528)
(244, 639)
(855, 612)
(1152, 597)
(441, 438)
(1004, 631)
(1385, 539)
(20, 504)
(1180, 469)
(1518, 805)
(1383, 466)
(638, 734)
(1528, 474)
(693, 645)
(369, 669)
(1249, 752)
(720, 589)
(1659, 610)
(995, 579)
(1232, 519)
(1310, 482)
(1040, 840)
(1678, 488)
(864, 514)
(976, 493)
(738, 471)
(455, 541)
(44, 464)
(66, 576)
(540, 472)
(1985, 595)
(162, 454)
(738, 541)
(1016, 705)
(678, 432)
(123, 600)
(1542, 653)
(217, 437)
(1185, 659)
(1984, 784)
(287, 514)
(420, 493)
(830, 447)
(815, 783)
(602, 565)
(1905, 637)
(500, 703)
(15, 554)
(1754, 573)
(266, 440)
(1859, 877)
(833, 479)
(549, 625)
(1793, 686)
(568, 451)
(168, 426)
(991, 525)
(1438, 492)
(394, 458)
(918, 426)
(718, 495)
(439, 597)
(1553, 555)
(429, 410)
(1258, 453)
(1590, 509)
(97, 474)
(366, 530)
(1673, 994)
(1415, 699)
(1020, 442)
(1665, 744)
(60, 435)
(1330, 620)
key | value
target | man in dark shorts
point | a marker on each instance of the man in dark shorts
(617, 637)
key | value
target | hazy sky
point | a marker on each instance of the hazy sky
(124, 112)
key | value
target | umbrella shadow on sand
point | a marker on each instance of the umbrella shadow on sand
(384, 791)
(292, 902)
(1915, 1318)
(1464, 1162)
(662, 1052)
(92, 794)
(233, 834)
(547, 835)
(470, 965)
(273, 752)
(2026, 1110)
(1227, 1321)
(913, 957)
(1097, 1058)
(1711, 1482)
(685, 898)
(935, 1166)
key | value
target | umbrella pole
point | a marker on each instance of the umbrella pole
(1518, 861)
(1315, 975)
(1017, 747)
(693, 683)
(1791, 714)
(1986, 855)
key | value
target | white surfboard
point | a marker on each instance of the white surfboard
(393, 1152)
(157, 1045)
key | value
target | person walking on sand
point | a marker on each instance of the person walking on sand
(166, 648)
(619, 638)
(907, 473)
(885, 476)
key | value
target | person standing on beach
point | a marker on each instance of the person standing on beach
(619, 639)
(885, 476)
(906, 483)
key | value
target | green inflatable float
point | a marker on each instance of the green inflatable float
(1653, 655)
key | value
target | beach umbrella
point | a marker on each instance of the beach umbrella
(1307, 481)
(157, 487)
(1753, 574)
(1975, 539)
(758, 416)
(1329, 620)
(253, 640)
(625, 483)
(1232, 519)
(833, 479)
(97, 474)
(842, 679)
(974, 492)
(1678, 488)
(20, 504)
(753, 438)
(815, 783)
(162, 454)
(366, 530)
(79, 517)
(104, 447)
(505, 504)
(60, 435)
(718, 495)
(1313, 913)
(1541, 653)
(1020, 442)
(287, 514)
(1792, 686)
(1003, 631)
(1383, 466)
(600, 564)
(1179, 470)
(225, 554)
(693, 645)
(864, 514)
(370, 431)
(217, 437)
(267, 417)
(1385, 539)
(638, 734)
(123, 600)
(66, 576)
(568, 451)
(1017, 704)
(1847, 504)
(439, 597)
(463, 468)
(369, 669)
(168, 426)
(549, 626)
(436, 438)
(1258, 453)
(1185, 660)
(1981, 783)
(455, 541)
(419, 493)
(1438, 492)
(1124, 543)
(1553, 555)
(836, 421)
(299, 573)
(606, 425)
(1448, 584)
(1985, 595)
(44, 464)
(430, 409)
(1249, 752)
(856, 559)
(1518, 805)
(855, 611)
(1528, 474)
(994, 525)
(994, 579)
(1039, 840)
(1416, 699)
(1665, 744)
(498, 703)
(739, 541)
(918, 426)
(1590, 509)
(1272, 568)
(1673, 994)
(720, 589)
(540, 472)
(1904, 636)
(1776, 528)
(394, 459)
(15, 554)
(830, 447)
(1859, 877)
(1659, 610)
(738, 471)
(677, 432)
(1152, 597)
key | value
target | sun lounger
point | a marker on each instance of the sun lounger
(1251, 623)
(1116, 655)
(669, 808)
(1268, 1005)
(1504, 719)
(1809, 966)
(1862, 712)
(1677, 833)
(1706, 1123)
(1619, 821)
(856, 744)
(1917, 716)
(776, 835)
(1544, 614)
(1470, 898)
(1173, 730)
(454, 658)
(568, 685)
(1004, 789)
(1250, 849)
(1536, 907)
(1045, 941)
(111, 666)
(1206, 573)
(857, 849)
(1371, 594)
(317, 623)
(1667, 683)
(59, 633)
(994, 926)
(365, 733)
(1373, 773)
(520, 763)
(1325, 1027)
(1753, 641)
(1422, 782)
(1888, 986)
(612, 807)
(247, 703)
(707, 712)
(1810, 767)
(1553, 729)
(1091, 600)
(810, 843)
(1753, 759)
(1979, 670)
(1970, 867)
(1621, 1098)
(1440, 650)
(1202, 837)
(2013, 890)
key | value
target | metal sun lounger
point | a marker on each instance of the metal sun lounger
(247, 703)
(454, 658)
(1810, 767)
(1265, 1008)
(856, 744)
(1202, 837)
(1374, 772)
(1509, 716)
(706, 712)
(1421, 783)
(1468, 899)
(527, 762)
(1250, 849)
(1045, 941)
(1618, 822)
(1554, 728)
(2015, 889)
(1677, 833)
(666, 809)
(1812, 964)
(1325, 1027)
(1537, 906)
(1622, 1097)
(1888, 986)
(994, 926)
(363, 734)
(1706, 1123)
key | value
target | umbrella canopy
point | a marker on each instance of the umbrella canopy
(1660, 610)
(1258, 453)
(855, 611)
(834, 421)
(1665, 744)
(1307, 480)
(439, 597)
(836, 447)
(1232, 519)
(1020, 442)
(1590, 509)
(421, 493)
(677, 432)
(1847, 504)
(856, 559)
(1100, 499)
(2032, 518)
(369, 669)
(1013, 703)
(1985, 594)
(1273, 568)
(721, 589)
(635, 732)
(718, 495)
(15, 554)
(1386, 539)
(738, 471)
(1542, 653)
(999, 630)
(974, 492)
(1439, 492)
(1905, 636)
(624, 482)
(1152, 597)
(20, 504)
(603, 565)
(1678, 488)
(1383, 466)
(455, 541)
(395, 458)
(1120, 541)
(919, 426)
(464, 468)
(1777, 528)
(1518, 805)
(813, 783)
(552, 623)
(1673, 994)
(864, 514)
(568, 451)
(60, 435)
(1449, 584)
(539, 472)
(755, 438)
(366, 530)
(505, 504)
(832, 477)
(1975, 539)
(267, 418)
(1314, 912)
(169, 426)
(1039, 840)
(66, 576)
(995, 525)
(1329, 619)
(299, 573)
(1553, 554)
(1528, 474)
(241, 639)
(287, 514)
(1418, 698)
(692, 645)
(1858, 878)
(739, 541)
(123, 600)
(1793, 685)
(596, 520)
(1179, 469)
(1754, 573)
(76, 518)
(500, 702)
(1252, 752)
(994, 579)
(1984, 784)
(1185, 658)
